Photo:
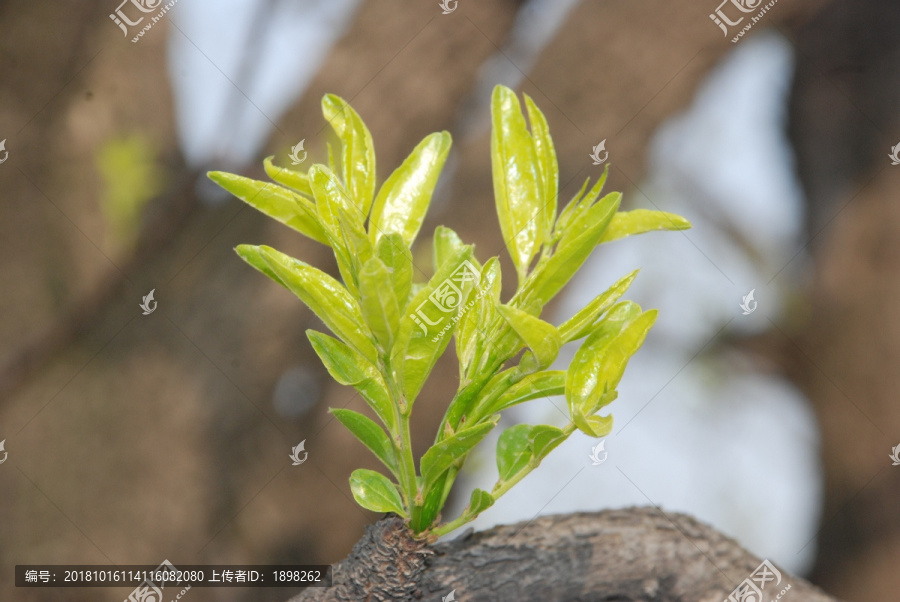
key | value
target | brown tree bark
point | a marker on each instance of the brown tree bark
(630, 554)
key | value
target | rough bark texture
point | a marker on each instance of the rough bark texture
(631, 554)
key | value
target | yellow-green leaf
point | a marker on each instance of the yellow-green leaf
(348, 367)
(252, 256)
(296, 180)
(629, 223)
(395, 255)
(581, 203)
(517, 183)
(573, 249)
(541, 338)
(343, 224)
(289, 208)
(378, 302)
(584, 321)
(593, 426)
(471, 337)
(428, 324)
(446, 244)
(547, 163)
(599, 364)
(357, 150)
(325, 297)
(403, 200)
(533, 386)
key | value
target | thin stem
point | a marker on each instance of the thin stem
(408, 467)
(406, 463)
(453, 525)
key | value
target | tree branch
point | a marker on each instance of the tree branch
(632, 554)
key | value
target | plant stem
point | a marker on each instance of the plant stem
(408, 467)
(406, 462)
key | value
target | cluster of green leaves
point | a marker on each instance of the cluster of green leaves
(383, 350)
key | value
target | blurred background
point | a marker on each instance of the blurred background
(133, 438)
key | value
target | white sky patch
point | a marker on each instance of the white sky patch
(207, 61)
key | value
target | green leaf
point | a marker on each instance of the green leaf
(395, 255)
(434, 500)
(374, 491)
(480, 501)
(441, 456)
(628, 223)
(296, 180)
(428, 325)
(584, 321)
(513, 453)
(540, 337)
(279, 203)
(543, 439)
(573, 249)
(378, 302)
(403, 200)
(348, 367)
(533, 386)
(371, 435)
(599, 364)
(357, 150)
(470, 403)
(325, 297)
(517, 183)
(523, 445)
(547, 165)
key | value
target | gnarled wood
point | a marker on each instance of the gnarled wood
(622, 555)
